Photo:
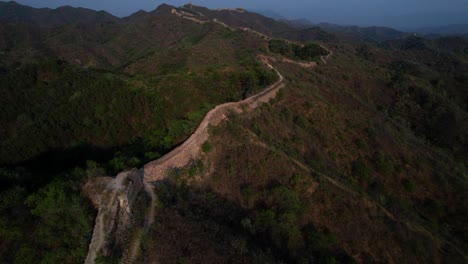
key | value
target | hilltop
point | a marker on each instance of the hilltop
(46, 17)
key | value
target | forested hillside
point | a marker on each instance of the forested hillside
(360, 158)
(78, 93)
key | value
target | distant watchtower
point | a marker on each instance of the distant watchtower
(190, 4)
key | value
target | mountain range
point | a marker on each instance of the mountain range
(320, 143)
(46, 17)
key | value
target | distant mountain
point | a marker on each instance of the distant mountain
(245, 18)
(422, 20)
(417, 43)
(46, 17)
(364, 33)
(300, 23)
(455, 29)
(268, 13)
(453, 44)
(86, 44)
(310, 33)
(373, 34)
(155, 43)
(258, 22)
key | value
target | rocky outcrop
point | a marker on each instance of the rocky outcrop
(114, 198)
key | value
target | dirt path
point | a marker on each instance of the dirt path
(325, 58)
(188, 16)
(310, 64)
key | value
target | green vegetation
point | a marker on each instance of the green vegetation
(410, 185)
(363, 158)
(116, 99)
(309, 51)
(59, 108)
(384, 143)
(52, 225)
(57, 116)
(360, 170)
(206, 147)
(267, 235)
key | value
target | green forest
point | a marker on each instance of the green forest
(64, 124)
(359, 159)
(310, 51)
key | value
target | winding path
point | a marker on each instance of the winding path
(190, 149)
(325, 58)
(158, 169)
(115, 197)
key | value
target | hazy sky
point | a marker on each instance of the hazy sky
(398, 13)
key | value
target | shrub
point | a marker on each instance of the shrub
(383, 165)
(265, 220)
(410, 185)
(286, 200)
(292, 50)
(206, 147)
(319, 240)
(247, 192)
(360, 169)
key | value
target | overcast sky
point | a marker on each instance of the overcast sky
(397, 13)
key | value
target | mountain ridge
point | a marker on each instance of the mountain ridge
(47, 17)
(364, 144)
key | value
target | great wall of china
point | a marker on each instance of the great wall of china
(114, 197)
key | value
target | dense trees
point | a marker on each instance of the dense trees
(309, 51)
(52, 225)
(57, 116)
(435, 109)
(53, 106)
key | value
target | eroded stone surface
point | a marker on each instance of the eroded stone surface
(114, 198)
